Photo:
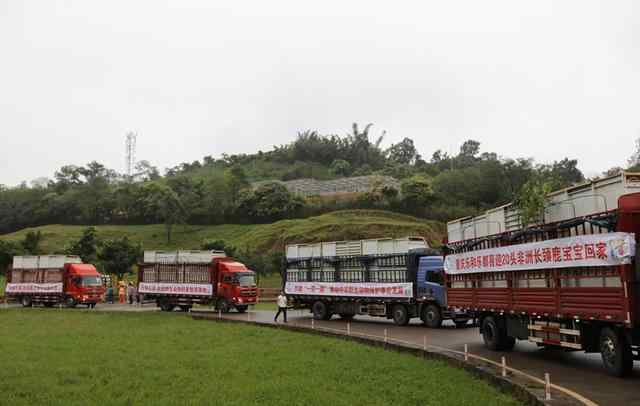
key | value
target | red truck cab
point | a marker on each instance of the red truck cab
(82, 285)
(236, 285)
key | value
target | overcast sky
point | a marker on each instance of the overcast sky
(542, 79)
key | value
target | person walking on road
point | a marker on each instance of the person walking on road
(282, 307)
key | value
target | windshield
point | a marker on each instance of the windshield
(91, 281)
(246, 279)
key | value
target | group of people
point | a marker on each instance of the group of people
(125, 292)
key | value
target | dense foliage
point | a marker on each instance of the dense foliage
(217, 191)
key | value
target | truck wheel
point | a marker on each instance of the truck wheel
(431, 316)
(400, 315)
(509, 343)
(48, 304)
(320, 310)
(166, 307)
(70, 302)
(347, 316)
(494, 338)
(222, 305)
(616, 352)
(241, 309)
(185, 308)
(26, 301)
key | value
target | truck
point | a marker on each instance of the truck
(572, 283)
(53, 279)
(183, 279)
(398, 279)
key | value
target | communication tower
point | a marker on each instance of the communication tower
(130, 153)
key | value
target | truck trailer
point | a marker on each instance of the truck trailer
(185, 278)
(394, 278)
(572, 284)
(53, 279)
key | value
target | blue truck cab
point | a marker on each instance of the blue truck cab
(431, 293)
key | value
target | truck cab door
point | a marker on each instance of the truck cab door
(431, 280)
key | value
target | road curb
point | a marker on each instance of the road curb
(505, 385)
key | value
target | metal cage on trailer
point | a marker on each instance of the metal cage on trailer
(572, 284)
(394, 278)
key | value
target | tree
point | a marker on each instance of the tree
(270, 202)
(531, 201)
(561, 174)
(468, 154)
(403, 152)
(164, 205)
(31, 242)
(235, 180)
(416, 191)
(470, 148)
(8, 249)
(118, 255)
(340, 167)
(85, 247)
(146, 171)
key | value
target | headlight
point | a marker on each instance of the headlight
(239, 300)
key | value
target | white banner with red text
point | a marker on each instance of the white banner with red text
(577, 251)
(361, 289)
(33, 288)
(194, 289)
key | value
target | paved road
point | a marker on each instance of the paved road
(577, 371)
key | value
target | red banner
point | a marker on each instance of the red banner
(577, 251)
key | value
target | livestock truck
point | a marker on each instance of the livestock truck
(399, 279)
(53, 279)
(568, 281)
(186, 278)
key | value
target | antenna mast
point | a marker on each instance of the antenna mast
(130, 154)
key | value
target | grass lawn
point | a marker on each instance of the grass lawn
(80, 357)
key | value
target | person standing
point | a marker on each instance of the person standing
(109, 297)
(282, 307)
(121, 294)
(131, 291)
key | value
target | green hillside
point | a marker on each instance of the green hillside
(340, 225)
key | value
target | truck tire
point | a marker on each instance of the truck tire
(70, 302)
(26, 301)
(320, 310)
(48, 304)
(616, 352)
(222, 305)
(509, 343)
(166, 307)
(347, 316)
(185, 308)
(431, 316)
(400, 315)
(495, 338)
(241, 309)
